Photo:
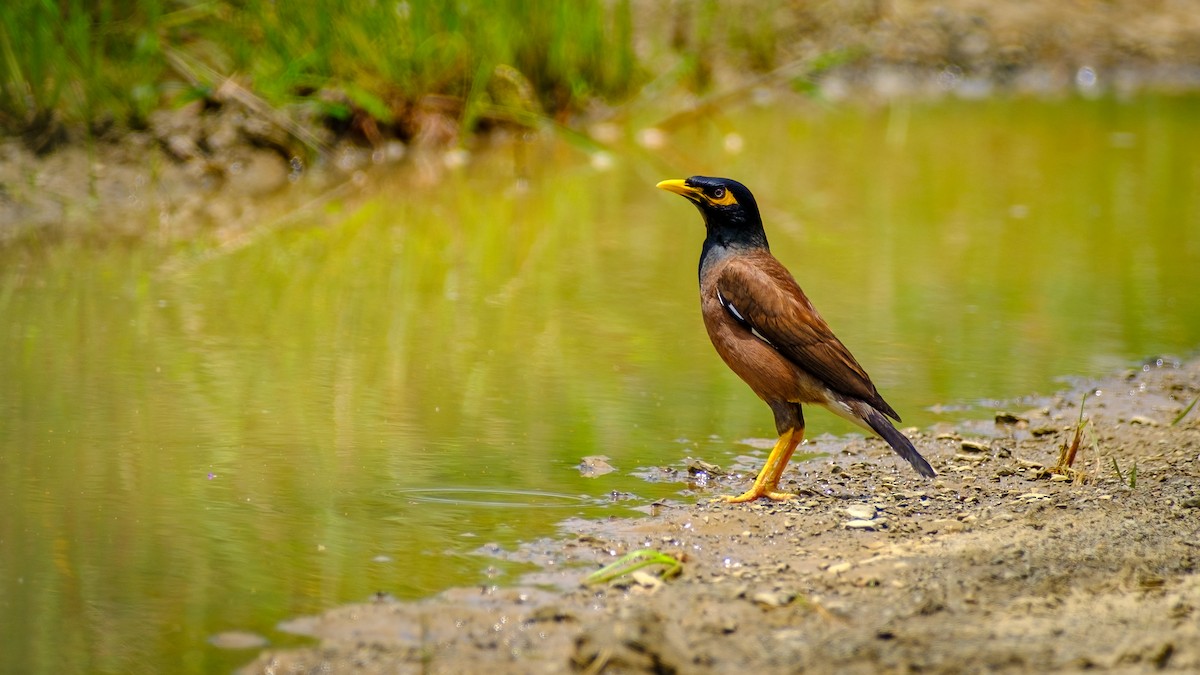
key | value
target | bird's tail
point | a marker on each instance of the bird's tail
(899, 442)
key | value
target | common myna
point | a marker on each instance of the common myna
(767, 332)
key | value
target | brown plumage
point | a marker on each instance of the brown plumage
(767, 331)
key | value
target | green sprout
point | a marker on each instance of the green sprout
(631, 562)
(1186, 410)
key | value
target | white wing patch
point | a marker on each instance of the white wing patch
(741, 319)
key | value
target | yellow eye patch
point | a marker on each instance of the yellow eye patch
(723, 197)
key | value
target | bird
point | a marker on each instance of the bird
(768, 332)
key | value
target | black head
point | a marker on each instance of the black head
(729, 210)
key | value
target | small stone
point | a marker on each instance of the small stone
(773, 598)
(859, 524)
(1033, 497)
(975, 446)
(695, 466)
(861, 511)
(946, 525)
(646, 580)
(595, 465)
(839, 568)
(1003, 417)
(1143, 420)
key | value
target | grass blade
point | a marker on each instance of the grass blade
(633, 561)
(1186, 410)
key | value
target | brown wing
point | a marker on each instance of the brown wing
(761, 293)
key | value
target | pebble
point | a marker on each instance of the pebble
(1003, 417)
(595, 465)
(860, 524)
(975, 446)
(773, 598)
(646, 580)
(946, 525)
(695, 466)
(839, 568)
(861, 511)
(1033, 497)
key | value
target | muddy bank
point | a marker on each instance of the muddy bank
(226, 164)
(998, 564)
(193, 172)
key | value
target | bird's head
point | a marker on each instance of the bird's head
(729, 210)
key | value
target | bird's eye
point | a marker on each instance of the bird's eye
(718, 193)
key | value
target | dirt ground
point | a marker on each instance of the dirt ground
(997, 564)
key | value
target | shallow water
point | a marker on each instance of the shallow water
(362, 399)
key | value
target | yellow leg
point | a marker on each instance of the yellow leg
(767, 483)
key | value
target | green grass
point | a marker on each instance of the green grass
(633, 561)
(95, 63)
(1188, 409)
(88, 61)
(1129, 478)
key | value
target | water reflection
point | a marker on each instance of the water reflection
(190, 449)
(483, 497)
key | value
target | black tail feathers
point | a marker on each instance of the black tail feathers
(899, 442)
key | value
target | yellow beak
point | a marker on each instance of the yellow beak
(679, 187)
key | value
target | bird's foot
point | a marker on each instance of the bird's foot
(753, 494)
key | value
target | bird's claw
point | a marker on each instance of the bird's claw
(753, 494)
